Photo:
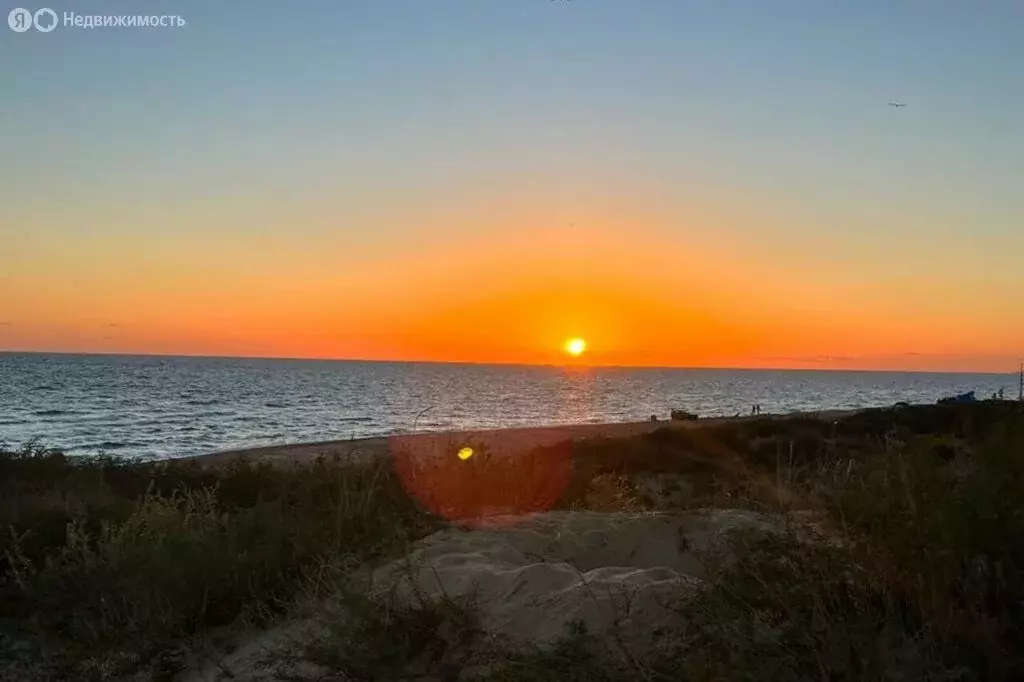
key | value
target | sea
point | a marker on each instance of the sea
(157, 407)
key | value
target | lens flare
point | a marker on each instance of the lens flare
(483, 484)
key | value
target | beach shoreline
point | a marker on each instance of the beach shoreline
(505, 441)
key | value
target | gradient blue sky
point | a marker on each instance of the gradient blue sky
(314, 137)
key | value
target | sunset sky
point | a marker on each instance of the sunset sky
(679, 183)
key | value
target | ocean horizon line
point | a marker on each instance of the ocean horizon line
(469, 363)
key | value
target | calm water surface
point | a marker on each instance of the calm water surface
(159, 407)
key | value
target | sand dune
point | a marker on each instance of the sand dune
(528, 578)
(531, 577)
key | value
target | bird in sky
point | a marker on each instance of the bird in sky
(897, 104)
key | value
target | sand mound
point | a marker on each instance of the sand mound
(530, 577)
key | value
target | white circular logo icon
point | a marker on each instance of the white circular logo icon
(19, 19)
(45, 20)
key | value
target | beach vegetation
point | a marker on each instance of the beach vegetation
(110, 566)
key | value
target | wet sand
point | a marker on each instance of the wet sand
(508, 441)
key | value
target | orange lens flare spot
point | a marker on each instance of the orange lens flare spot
(483, 483)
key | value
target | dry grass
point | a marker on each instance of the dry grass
(924, 579)
(108, 564)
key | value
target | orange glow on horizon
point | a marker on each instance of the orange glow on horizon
(512, 297)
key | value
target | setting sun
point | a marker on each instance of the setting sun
(575, 347)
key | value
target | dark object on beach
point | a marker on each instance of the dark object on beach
(962, 398)
(683, 416)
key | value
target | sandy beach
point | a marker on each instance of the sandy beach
(508, 441)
